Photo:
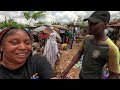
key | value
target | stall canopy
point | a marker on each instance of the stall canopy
(114, 23)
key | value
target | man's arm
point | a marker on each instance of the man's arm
(74, 61)
(113, 75)
(113, 63)
(54, 78)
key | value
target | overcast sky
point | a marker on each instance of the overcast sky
(60, 16)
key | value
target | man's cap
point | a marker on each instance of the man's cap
(99, 16)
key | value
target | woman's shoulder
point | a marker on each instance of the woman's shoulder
(37, 59)
(39, 64)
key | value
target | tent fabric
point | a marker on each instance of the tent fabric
(42, 35)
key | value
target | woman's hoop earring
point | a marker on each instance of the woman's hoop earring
(1, 54)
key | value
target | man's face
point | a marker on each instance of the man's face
(96, 28)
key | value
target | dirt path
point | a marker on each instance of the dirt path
(65, 59)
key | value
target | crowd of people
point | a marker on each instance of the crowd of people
(19, 59)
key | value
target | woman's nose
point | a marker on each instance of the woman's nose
(22, 46)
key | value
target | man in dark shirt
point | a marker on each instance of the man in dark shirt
(97, 49)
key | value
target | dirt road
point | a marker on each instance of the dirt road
(65, 59)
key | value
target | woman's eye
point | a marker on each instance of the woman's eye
(14, 42)
(28, 42)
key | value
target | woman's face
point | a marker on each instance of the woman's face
(17, 47)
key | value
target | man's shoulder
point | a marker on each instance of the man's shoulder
(89, 36)
(113, 50)
(112, 46)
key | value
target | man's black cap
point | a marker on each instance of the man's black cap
(99, 16)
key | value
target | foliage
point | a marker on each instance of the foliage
(55, 23)
(33, 15)
(81, 22)
(9, 23)
(39, 24)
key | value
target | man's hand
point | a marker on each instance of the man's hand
(64, 74)
(113, 75)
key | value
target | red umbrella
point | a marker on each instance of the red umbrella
(43, 36)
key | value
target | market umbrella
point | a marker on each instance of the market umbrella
(56, 29)
(47, 30)
(38, 29)
(58, 26)
(44, 29)
(42, 35)
(114, 25)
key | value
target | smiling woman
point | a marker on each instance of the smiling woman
(16, 62)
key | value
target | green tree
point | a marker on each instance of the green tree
(55, 23)
(81, 22)
(9, 23)
(39, 24)
(33, 15)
